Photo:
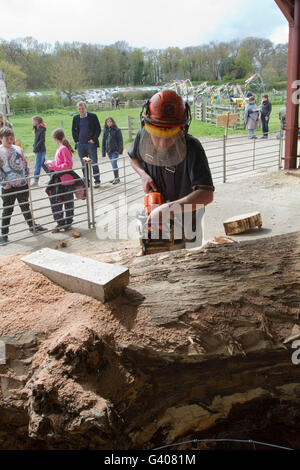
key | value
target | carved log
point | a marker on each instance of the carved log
(199, 346)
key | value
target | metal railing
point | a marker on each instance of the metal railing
(229, 159)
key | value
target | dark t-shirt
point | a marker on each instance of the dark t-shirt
(179, 181)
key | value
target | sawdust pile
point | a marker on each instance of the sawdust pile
(31, 302)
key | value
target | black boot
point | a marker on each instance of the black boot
(117, 179)
(3, 239)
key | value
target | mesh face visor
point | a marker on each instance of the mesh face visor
(161, 146)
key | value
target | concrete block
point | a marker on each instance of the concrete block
(103, 281)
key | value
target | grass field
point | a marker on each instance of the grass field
(56, 118)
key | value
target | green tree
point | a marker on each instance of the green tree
(269, 74)
(68, 75)
(137, 66)
(242, 65)
(280, 59)
(226, 67)
(14, 77)
(260, 51)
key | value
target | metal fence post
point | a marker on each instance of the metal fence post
(86, 180)
(93, 218)
(224, 159)
(31, 205)
(124, 172)
(129, 128)
(254, 154)
(194, 108)
(280, 148)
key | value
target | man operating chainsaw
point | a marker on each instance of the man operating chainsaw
(173, 163)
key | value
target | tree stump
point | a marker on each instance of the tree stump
(242, 223)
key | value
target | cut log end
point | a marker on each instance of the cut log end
(242, 223)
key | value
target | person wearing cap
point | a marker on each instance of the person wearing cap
(173, 162)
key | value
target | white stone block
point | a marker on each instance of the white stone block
(103, 281)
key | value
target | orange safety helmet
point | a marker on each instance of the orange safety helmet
(166, 109)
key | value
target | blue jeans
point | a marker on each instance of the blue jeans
(40, 158)
(265, 125)
(89, 150)
(114, 160)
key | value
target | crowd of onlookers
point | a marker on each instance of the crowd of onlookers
(63, 182)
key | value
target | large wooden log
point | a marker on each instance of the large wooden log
(200, 345)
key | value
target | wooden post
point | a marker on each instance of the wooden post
(62, 124)
(292, 107)
(227, 125)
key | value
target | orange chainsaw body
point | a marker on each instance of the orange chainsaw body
(151, 201)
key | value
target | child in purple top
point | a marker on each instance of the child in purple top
(14, 172)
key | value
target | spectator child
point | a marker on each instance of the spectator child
(62, 184)
(112, 144)
(13, 178)
(39, 148)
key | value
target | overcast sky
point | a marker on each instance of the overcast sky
(151, 24)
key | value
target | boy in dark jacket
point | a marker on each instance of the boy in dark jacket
(112, 144)
(39, 148)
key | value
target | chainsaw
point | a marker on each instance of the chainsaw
(155, 237)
